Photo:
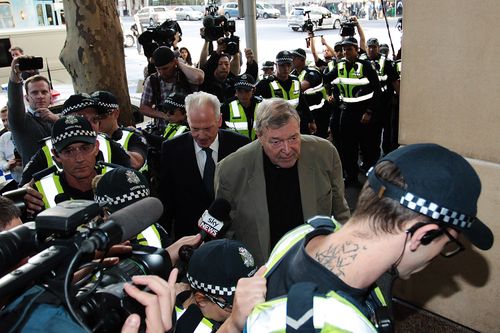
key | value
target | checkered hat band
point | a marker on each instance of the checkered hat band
(210, 288)
(284, 59)
(78, 107)
(71, 134)
(108, 106)
(139, 194)
(298, 54)
(177, 105)
(435, 211)
(243, 83)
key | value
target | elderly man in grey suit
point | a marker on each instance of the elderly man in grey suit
(280, 180)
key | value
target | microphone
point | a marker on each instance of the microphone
(17, 244)
(124, 224)
(212, 220)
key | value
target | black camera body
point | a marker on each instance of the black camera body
(160, 35)
(347, 28)
(308, 25)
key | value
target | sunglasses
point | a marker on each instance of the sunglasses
(220, 303)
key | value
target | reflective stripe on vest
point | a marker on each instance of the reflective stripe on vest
(238, 119)
(398, 67)
(314, 90)
(104, 147)
(47, 151)
(292, 96)
(331, 313)
(348, 81)
(173, 130)
(205, 326)
(49, 186)
(150, 237)
(126, 135)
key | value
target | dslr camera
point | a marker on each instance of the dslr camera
(348, 28)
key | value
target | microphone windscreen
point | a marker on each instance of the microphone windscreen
(220, 209)
(138, 216)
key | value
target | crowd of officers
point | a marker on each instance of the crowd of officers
(348, 96)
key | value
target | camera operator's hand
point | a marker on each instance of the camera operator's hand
(366, 118)
(221, 45)
(249, 55)
(173, 250)
(15, 73)
(33, 199)
(177, 39)
(353, 19)
(47, 115)
(249, 292)
(158, 306)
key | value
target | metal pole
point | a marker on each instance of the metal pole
(387, 26)
(251, 26)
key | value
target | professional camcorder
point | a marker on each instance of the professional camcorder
(348, 28)
(66, 238)
(160, 35)
(217, 26)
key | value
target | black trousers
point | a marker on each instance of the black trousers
(355, 137)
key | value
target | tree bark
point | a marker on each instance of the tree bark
(93, 53)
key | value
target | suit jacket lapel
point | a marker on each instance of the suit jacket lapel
(307, 187)
(191, 161)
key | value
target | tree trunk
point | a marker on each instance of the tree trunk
(93, 53)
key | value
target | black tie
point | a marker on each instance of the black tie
(208, 172)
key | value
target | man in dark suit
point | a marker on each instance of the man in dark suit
(188, 164)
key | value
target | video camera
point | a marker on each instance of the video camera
(67, 236)
(308, 25)
(347, 28)
(160, 35)
(216, 26)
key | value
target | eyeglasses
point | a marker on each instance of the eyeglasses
(220, 303)
(72, 152)
(453, 247)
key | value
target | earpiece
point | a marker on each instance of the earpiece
(428, 237)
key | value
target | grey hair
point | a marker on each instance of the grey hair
(196, 100)
(274, 113)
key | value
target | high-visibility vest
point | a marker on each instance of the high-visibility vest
(150, 237)
(350, 82)
(126, 135)
(172, 130)
(398, 67)
(380, 69)
(332, 312)
(238, 119)
(291, 96)
(104, 147)
(204, 326)
(50, 186)
(318, 91)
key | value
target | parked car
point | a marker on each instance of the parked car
(155, 15)
(320, 17)
(187, 13)
(230, 10)
(266, 10)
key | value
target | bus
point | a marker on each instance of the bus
(38, 28)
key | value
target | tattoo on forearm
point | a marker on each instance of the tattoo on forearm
(337, 257)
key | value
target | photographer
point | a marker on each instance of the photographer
(171, 76)
(221, 70)
(10, 215)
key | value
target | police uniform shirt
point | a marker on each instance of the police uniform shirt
(137, 143)
(298, 266)
(391, 73)
(284, 203)
(74, 193)
(39, 162)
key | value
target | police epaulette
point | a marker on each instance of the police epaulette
(102, 164)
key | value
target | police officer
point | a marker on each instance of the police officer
(175, 108)
(87, 107)
(359, 95)
(389, 84)
(131, 140)
(239, 112)
(213, 272)
(286, 86)
(311, 85)
(120, 187)
(413, 208)
(267, 69)
(75, 149)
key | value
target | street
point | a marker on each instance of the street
(273, 35)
